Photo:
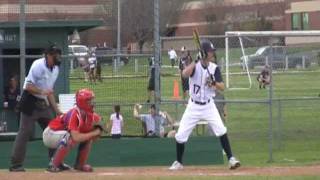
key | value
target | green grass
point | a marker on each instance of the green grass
(295, 130)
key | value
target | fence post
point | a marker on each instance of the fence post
(176, 118)
(279, 123)
(222, 64)
(71, 64)
(267, 60)
(303, 62)
(136, 65)
(287, 63)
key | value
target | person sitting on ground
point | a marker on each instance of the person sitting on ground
(264, 77)
(154, 124)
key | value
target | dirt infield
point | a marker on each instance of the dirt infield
(156, 172)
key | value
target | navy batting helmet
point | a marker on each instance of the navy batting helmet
(207, 46)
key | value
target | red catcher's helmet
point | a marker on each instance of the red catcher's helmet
(83, 100)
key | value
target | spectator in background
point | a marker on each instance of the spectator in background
(172, 56)
(12, 93)
(86, 69)
(185, 60)
(116, 123)
(92, 67)
(98, 71)
(264, 77)
(153, 124)
(11, 98)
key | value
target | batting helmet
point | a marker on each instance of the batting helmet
(83, 98)
(207, 46)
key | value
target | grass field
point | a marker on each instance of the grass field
(295, 130)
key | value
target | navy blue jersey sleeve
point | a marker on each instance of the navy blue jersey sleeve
(217, 75)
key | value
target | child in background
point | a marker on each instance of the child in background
(116, 122)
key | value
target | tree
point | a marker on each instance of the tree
(214, 15)
(138, 19)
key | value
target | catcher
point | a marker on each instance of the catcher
(80, 125)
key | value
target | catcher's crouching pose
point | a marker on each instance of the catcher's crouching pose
(80, 125)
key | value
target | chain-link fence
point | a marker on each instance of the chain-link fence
(268, 76)
(280, 115)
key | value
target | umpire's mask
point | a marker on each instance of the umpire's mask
(55, 52)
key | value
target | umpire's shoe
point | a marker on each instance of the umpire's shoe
(17, 169)
(234, 163)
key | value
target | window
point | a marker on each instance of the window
(300, 21)
(305, 21)
(296, 21)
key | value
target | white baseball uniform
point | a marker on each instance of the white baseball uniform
(201, 105)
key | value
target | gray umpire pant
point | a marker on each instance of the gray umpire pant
(26, 130)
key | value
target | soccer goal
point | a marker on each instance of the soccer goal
(247, 52)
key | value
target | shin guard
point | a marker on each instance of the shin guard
(83, 154)
(63, 149)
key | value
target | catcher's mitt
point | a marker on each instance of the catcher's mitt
(99, 124)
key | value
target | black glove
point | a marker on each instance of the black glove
(100, 126)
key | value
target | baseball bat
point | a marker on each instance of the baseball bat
(196, 39)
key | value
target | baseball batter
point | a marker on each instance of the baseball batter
(204, 78)
(80, 125)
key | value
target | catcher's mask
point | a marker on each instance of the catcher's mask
(206, 46)
(55, 52)
(85, 100)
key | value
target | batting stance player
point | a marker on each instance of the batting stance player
(204, 79)
(77, 126)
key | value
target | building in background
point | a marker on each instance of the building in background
(216, 16)
(303, 15)
(64, 10)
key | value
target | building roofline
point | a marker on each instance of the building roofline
(81, 25)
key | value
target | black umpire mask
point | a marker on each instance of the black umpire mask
(55, 52)
(57, 59)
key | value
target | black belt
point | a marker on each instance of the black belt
(200, 103)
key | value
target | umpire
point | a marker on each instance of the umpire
(36, 104)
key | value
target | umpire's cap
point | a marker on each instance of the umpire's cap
(207, 46)
(53, 49)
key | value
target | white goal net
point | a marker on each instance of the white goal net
(247, 52)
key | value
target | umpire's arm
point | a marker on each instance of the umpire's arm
(53, 104)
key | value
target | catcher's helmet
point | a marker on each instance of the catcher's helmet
(207, 46)
(83, 97)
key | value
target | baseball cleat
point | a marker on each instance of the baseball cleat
(64, 167)
(176, 166)
(53, 169)
(233, 163)
(84, 168)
